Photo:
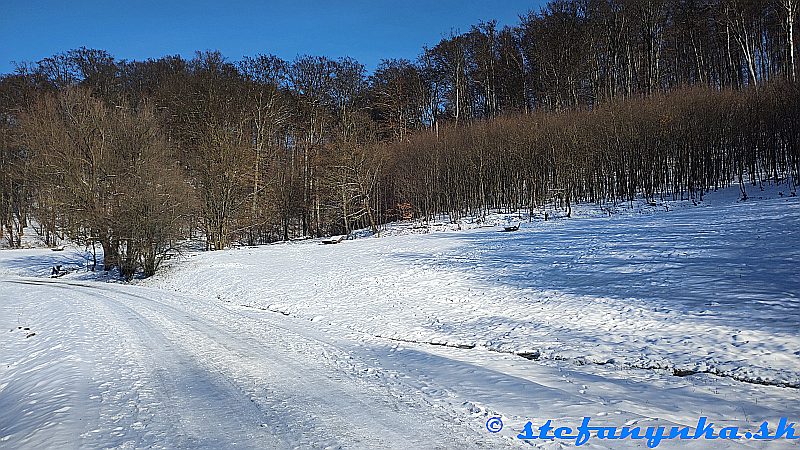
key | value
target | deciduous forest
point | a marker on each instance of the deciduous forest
(581, 101)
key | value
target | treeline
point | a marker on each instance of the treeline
(585, 100)
(666, 146)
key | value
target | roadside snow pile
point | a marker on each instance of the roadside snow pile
(711, 289)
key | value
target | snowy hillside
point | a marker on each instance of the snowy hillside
(655, 316)
(709, 289)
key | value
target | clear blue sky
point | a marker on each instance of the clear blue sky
(368, 30)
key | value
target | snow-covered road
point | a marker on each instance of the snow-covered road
(124, 366)
(135, 367)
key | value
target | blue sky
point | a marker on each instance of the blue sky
(366, 30)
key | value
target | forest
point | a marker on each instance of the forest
(581, 101)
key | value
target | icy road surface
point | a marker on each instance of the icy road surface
(414, 341)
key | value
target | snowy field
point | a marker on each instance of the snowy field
(655, 315)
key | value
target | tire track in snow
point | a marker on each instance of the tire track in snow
(194, 407)
(380, 418)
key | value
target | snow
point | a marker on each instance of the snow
(633, 291)
(130, 367)
(656, 314)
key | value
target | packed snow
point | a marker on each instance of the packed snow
(633, 314)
